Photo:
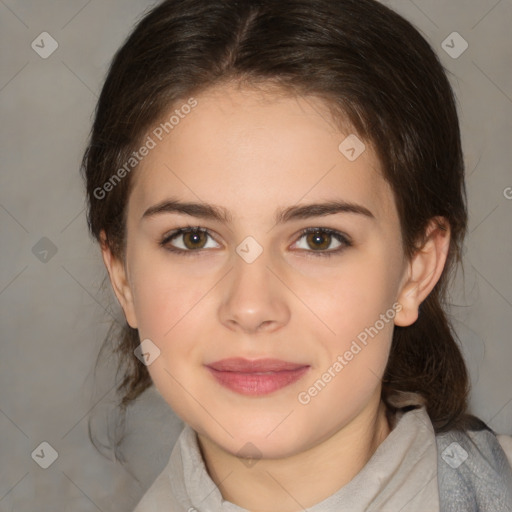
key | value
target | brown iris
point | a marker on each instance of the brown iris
(315, 240)
(193, 239)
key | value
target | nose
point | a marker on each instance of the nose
(253, 298)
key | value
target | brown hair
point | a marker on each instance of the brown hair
(372, 68)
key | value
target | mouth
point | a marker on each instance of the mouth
(257, 377)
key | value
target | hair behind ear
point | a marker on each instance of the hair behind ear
(426, 359)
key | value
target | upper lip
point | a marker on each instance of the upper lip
(239, 364)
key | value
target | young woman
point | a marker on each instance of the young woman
(278, 191)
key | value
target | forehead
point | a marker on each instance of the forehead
(251, 151)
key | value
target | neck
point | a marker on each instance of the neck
(303, 479)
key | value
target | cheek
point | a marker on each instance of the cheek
(165, 298)
(356, 304)
(354, 295)
(170, 308)
(358, 310)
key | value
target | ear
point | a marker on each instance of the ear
(424, 270)
(118, 279)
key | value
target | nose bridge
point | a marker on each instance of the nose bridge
(251, 277)
(254, 297)
(251, 268)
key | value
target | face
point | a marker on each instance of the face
(250, 284)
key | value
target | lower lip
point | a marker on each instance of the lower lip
(255, 384)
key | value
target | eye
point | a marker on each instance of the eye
(188, 240)
(191, 240)
(319, 240)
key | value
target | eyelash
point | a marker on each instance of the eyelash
(340, 237)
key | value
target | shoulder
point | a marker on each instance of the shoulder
(474, 470)
(482, 444)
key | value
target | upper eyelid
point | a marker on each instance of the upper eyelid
(186, 229)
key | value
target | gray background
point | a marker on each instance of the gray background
(54, 313)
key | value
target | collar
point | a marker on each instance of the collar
(400, 475)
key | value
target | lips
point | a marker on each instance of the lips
(256, 377)
(239, 364)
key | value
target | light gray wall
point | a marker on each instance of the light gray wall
(53, 314)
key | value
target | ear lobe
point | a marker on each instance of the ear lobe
(118, 280)
(424, 271)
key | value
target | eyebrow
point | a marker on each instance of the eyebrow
(282, 215)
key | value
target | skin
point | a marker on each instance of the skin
(251, 152)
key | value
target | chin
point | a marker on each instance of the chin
(261, 441)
